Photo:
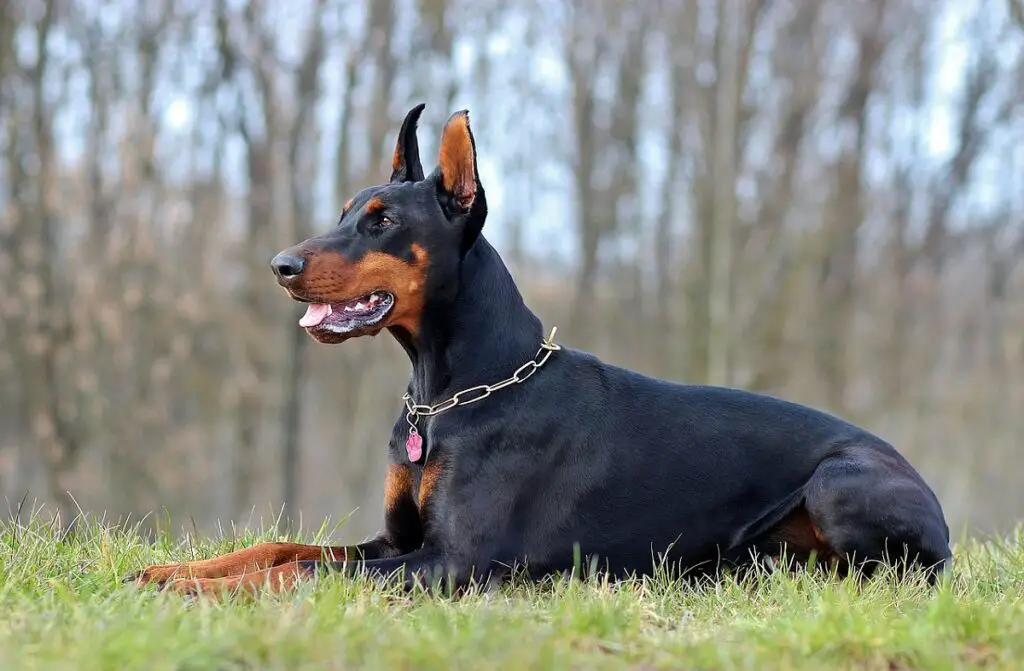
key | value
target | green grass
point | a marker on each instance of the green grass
(62, 607)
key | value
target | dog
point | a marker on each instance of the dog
(513, 451)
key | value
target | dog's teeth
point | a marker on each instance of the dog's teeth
(330, 310)
(359, 306)
(348, 308)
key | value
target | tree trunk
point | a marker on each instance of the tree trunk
(841, 236)
(725, 158)
(301, 137)
(50, 425)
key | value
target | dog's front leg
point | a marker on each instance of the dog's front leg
(425, 566)
(275, 561)
(259, 559)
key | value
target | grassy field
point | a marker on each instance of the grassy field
(62, 607)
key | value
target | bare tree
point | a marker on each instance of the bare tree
(301, 142)
(49, 331)
(606, 134)
(840, 245)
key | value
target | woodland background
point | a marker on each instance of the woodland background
(821, 200)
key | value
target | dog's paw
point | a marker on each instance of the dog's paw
(132, 578)
(155, 575)
(193, 588)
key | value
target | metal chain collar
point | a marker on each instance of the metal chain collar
(466, 396)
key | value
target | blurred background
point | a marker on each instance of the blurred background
(820, 200)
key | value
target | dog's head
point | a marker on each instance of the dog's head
(394, 244)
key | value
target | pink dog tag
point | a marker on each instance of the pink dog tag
(414, 445)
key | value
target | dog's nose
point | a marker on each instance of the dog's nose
(287, 266)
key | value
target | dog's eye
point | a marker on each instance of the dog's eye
(385, 222)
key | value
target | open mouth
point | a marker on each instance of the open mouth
(346, 317)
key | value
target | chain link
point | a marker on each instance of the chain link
(480, 392)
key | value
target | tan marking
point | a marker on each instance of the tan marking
(456, 159)
(396, 158)
(276, 579)
(800, 536)
(255, 558)
(329, 277)
(432, 473)
(375, 205)
(397, 486)
(347, 206)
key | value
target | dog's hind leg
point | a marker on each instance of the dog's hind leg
(869, 506)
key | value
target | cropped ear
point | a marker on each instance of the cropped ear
(405, 163)
(458, 178)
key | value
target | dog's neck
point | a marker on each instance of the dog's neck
(480, 335)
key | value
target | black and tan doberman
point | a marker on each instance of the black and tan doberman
(510, 450)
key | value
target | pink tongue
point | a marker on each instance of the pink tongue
(315, 313)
